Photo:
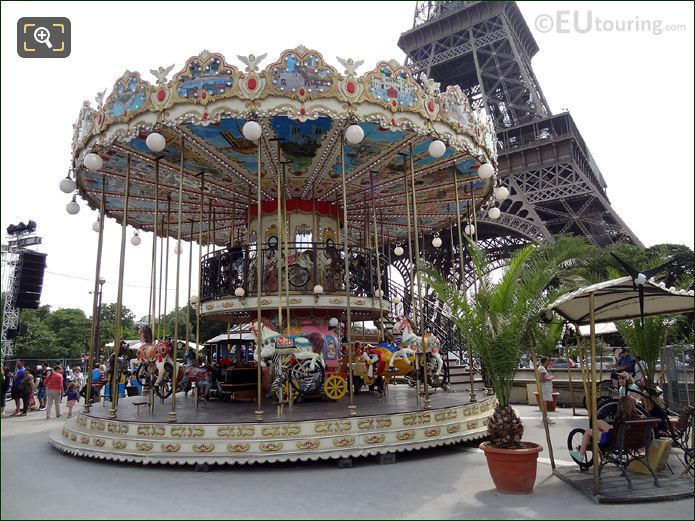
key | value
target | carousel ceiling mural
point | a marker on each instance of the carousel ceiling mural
(304, 106)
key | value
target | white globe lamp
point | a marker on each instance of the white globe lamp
(485, 171)
(96, 226)
(73, 208)
(156, 142)
(239, 292)
(318, 289)
(67, 185)
(501, 193)
(469, 229)
(333, 322)
(252, 130)
(354, 134)
(494, 213)
(93, 161)
(437, 242)
(398, 251)
(396, 300)
(437, 148)
(135, 240)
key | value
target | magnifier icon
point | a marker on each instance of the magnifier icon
(43, 35)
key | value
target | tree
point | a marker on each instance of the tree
(502, 320)
(40, 341)
(72, 330)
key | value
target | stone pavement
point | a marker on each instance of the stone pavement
(38, 482)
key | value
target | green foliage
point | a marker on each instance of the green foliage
(39, 341)
(72, 330)
(501, 320)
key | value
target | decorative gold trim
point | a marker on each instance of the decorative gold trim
(99, 442)
(117, 428)
(472, 425)
(344, 442)
(332, 427)
(73, 436)
(151, 430)
(271, 446)
(144, 445)
(451, 429)
(405, 435)
(236, 431)
(119, 444)
(188, 432)
(308, 444)
(66, 433)
(84, 439)
(81, 420)
(434, 431)
(203, 447)
(238, 447)
(96, 425)
(171, 447)
(374, 423)
(271, 431)
(374, 438)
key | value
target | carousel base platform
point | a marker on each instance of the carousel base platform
(228, 433)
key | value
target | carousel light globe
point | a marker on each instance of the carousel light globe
(239, 292)
(437, 242)
(156, 142)
(318, 289)
(135, 240)
(252, 130)
(378, 293)
(93, 161)
(194, 300)
(73, 208)
(398, 251)
(354, 134)
(96, 226)
(469, 229)
(67, 185)
(437, 148)
(333, 322)
(178, 250)
(494, 213)
(486, 170)
(396, 300)
(501, 193)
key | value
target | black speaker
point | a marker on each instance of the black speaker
(31, 272)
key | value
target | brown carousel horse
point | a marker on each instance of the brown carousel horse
(155, 362)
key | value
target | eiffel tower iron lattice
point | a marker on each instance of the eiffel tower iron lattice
(555, 186)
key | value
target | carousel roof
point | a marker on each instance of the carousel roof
(304, 106)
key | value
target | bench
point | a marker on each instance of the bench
(139, 404)
(626, 445)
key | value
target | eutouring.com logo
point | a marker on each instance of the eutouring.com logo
(566, 21)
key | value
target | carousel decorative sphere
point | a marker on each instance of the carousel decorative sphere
(178, 250)
(501, 193)
(135, 240)
(239, 292)
(96, 226)
(252, 130)
(437, 242)
(318, 289)
(494, 213)
(469, 229)
(67, 185)
(396, 300)
(398, 251)
(333, 322)
(93, 161)
(378, 293)
(73, 208)
(437, 148)
(354, 134)
(156, 142)
(194, 300)
(486, 170)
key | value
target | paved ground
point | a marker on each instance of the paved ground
(38, 482)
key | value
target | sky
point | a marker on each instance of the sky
(629, 91)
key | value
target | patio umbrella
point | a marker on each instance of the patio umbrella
(618, 299)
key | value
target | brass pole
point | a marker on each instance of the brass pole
(428, 403)
(153, 279)
(378, 261)
(157, 333)
(188, 300)
(119, 297)
(172, 413)
(594, 426)
(200, 271)
(259, 238)
(166, 266)
(278, 249)
(93, 348)
(544, 410)
(287, 234)
(351, 407)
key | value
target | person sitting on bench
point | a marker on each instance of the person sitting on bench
(626, 410)
(625, 363)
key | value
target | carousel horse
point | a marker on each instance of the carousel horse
(301, 347)
(155, 356)
(122, 366)
(419, 344)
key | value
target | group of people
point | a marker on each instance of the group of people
(44, 388)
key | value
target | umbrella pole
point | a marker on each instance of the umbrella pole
(594, 426)
(569, 376)
(584, 369)
(544, 410)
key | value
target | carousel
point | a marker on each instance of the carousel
(302, 191)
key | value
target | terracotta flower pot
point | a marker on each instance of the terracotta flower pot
(513, 470)
(550, 406)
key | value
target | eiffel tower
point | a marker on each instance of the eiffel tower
(554, 183)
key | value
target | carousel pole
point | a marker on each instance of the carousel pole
(172, 413)
(188, 299)
(166, 266)
(286, 235)
(378, 261)
(159, 286)
(428, 403)
(278, 250)
(352, 407)
(594, 426)
(200, 271)
(411, 270)
(93, 348)
(119, 297)
(153, 279)
(259, 337)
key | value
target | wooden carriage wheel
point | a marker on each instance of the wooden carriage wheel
(285, 393)
(335, 387)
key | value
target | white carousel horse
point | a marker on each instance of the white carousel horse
(158, 354)
(272, 341)
(418, 344)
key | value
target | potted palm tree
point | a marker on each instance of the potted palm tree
(501, 320)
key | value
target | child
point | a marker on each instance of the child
(73, 397)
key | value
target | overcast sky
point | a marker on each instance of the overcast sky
(630, 92)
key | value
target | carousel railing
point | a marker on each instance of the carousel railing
(308, 264)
